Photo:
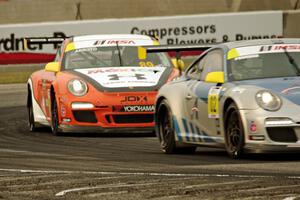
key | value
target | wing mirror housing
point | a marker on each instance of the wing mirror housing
(52, 67)
(215, 77)
(178, 64)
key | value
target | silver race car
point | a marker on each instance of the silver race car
(244, 96)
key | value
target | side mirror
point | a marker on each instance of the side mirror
(215, 77)
(178, 64)
(52, 67)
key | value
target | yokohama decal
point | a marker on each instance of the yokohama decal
(146, 108)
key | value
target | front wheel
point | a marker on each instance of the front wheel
(31, 122)
(234, 132)
(54, 118)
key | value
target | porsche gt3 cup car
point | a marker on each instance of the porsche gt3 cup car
(98, 83)
(244, 96)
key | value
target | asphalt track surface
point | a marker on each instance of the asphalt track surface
(125, 166)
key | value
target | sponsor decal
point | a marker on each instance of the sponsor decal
(86, 49)
(121, 77)
(195, 110)
(13, 43)
(292, 90)
(134, 99)
(284, 47)
(116, 77)
(113, 42)
(213, 102)
(280, 48)
(139, 108)
(253, 127)
(121, 69)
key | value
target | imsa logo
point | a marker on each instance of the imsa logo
(146, 108)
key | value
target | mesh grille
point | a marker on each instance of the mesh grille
(125, 119)
(85, 116)
(282, 134)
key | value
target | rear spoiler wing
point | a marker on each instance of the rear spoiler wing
(178, 49)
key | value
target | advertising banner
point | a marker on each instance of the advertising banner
(187, 29)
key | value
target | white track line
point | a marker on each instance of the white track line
(137, 173)
(64, 192)
(144, 173)
(217, 184)
(291, 198)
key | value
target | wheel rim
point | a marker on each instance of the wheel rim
(234, 132)
(166, 128)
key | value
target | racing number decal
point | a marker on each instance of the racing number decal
(116, 77)
(146, 64)
(213, 102)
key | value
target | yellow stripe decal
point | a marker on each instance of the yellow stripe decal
(232, 54)
(70, 47)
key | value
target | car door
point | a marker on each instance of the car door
(201, 106)
(45, 86)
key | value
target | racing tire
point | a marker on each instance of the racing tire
(234, 132)
(166, 132)
(31, 123)
(54, 118)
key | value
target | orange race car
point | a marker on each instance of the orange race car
(98, 83)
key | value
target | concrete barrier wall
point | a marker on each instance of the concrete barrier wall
(25, 11)
(20, 11)
(291, 27)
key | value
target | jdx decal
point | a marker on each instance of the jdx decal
(134, 99)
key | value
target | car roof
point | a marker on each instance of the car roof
(236, 44)
(87, 41)
(111, 36)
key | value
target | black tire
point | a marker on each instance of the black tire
(54, 118)
(234, 132)
(166, 133)
(31, 123)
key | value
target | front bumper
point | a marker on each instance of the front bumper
(274, 132)
(107, 111)
(268, 148)
(99, 129)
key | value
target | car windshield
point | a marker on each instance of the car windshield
(115, 56)
(264, 65)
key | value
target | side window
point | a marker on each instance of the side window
(213, 62)
(58, 55)
(195, 70)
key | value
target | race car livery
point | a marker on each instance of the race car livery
(242, 96)
(98, 83)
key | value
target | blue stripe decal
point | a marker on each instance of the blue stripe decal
(193, 132)
(207, 138)
(198, 133)
(186, 129)
(177, 129)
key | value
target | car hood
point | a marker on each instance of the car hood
(288, 87)
(125, 78)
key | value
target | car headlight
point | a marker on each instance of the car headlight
(268, 100)
(77, 87)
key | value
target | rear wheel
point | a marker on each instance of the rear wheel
(54, 117)
(166, 131)
(234, 132)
